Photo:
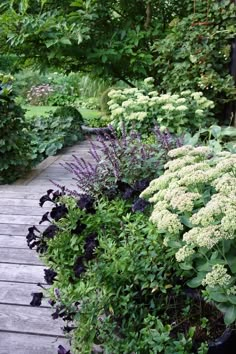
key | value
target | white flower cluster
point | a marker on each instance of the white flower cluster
(217, 277)
(146, 105)
(201, 186)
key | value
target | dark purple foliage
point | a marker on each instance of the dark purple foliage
(118, 159)
(37, 299)
(49, 276)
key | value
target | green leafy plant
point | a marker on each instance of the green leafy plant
(194, 209)
(15, 150)
(145, 107)
(59, 129)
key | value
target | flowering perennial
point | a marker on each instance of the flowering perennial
(195, 205)
(146, 107)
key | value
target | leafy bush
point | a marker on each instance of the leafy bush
(145, 107)
(59, 129)
(112, 280)
(60, 99)
(15, 151)
(195, 53)
(39, 95)
(195, 210)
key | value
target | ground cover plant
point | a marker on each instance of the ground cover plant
(194, 207)
(16, 155)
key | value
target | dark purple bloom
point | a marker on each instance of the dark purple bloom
(128, 193)
(49, 276)
(90, 246)
(45, 217)
(140, 205)
(79, 228)
(50, 231)
(79, 266)
(62, 350)
(45, 198)
(58, 212)
(122, 186)
(58, 194)
(51, 302)
(31, 235)
(139, 186)
(68, 329)
(86, 202)
(37, 299)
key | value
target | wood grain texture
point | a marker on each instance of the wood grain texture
(19, 256)
(19, 219)
(21, 202)
(13, 241)
(21, 273)
(32, 194)
(19, 293)
(22, 210)
(28, 319)
(19, 343)
(19, 230)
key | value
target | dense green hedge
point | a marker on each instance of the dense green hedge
(15, 148)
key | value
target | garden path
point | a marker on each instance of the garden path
(25, 329)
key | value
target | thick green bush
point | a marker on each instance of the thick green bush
(15, 150)
(59, 129)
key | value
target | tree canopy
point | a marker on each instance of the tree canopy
(112, 37)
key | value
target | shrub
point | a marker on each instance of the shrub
(145, 107)
(15, 151)
(195, 210)
(59, 129)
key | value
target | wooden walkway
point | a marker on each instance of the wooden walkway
(25, 329)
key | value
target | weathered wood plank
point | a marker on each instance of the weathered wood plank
(22, 210)
(30, 194)
(16, 229)
(29, 344)
(16, 256)
(19, 219)
(28, 319)
(21, 273)
(21, 202)
(19, 293)
(13, 241)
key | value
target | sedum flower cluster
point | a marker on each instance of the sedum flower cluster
(195, 206)
(144, 107)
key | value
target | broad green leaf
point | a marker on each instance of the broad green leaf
(218, 297)
(197, 281)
